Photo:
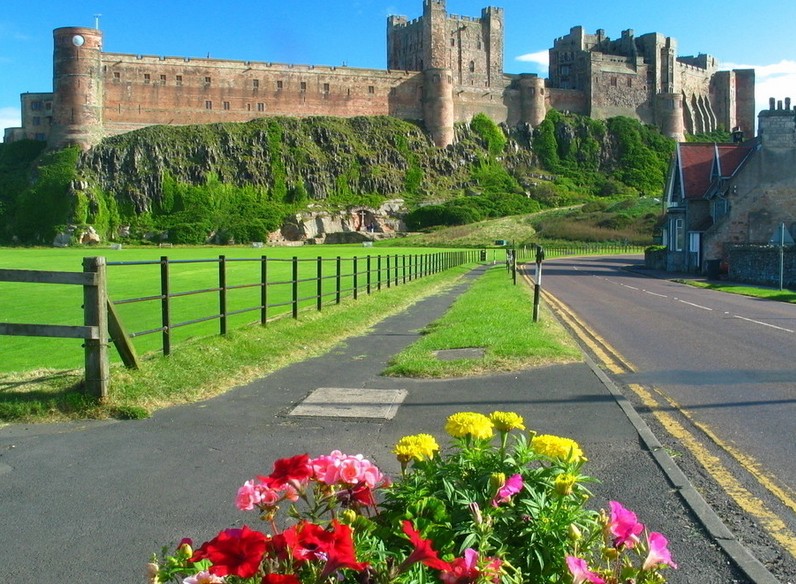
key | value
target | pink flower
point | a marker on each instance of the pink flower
(350, 470)
(203, 578)
(248, 497)
(624, 526)
(659, 552)
(512, 486)
(581, 573)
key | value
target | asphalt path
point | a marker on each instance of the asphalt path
(724, 361)
(89, 502)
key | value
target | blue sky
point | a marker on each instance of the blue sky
(331, 32)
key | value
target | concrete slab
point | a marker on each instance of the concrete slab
(343, 402)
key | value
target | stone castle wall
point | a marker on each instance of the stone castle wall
(96, 94)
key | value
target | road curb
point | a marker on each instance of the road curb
(704, 513)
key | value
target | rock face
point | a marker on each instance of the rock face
(353, 225)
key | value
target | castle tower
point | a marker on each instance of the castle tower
(435, 35)
(77, 87)
(493, 19)
(532, 99)
(438, 109)
(669, 115)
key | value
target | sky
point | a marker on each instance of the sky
(740, 34)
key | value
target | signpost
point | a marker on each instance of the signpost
(537, 289)
(781, 237)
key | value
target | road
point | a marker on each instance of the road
(715, 371)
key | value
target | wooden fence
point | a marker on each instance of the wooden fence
(94, 329)
(324, 278)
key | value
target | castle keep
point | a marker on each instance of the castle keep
(441, 69)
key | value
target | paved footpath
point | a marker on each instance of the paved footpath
(89, 502)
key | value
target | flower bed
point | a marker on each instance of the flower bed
(501, 505)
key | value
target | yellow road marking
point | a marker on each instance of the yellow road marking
(751, 504)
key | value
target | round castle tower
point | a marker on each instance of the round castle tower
(669, 115)
(438, 109)
(77, 87)
(532, 99)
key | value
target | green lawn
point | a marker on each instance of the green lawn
(61, 304)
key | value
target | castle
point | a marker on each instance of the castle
(441, 69)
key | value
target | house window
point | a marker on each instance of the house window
(226, 105)
(678, 233)
(179, 79)
(208, 105)
(147, 78)
(260, 107)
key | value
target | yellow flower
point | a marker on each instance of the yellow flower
(469, 424)
(417, 447)
(507, 421)
(564, 483)
(564, 449)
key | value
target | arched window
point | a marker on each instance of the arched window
(472, 66)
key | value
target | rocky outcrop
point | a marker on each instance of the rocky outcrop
(353, 225)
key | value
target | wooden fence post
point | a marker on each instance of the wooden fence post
(95, 314)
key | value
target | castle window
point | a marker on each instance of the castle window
(260, 107)
(208, 105)
(226, 105)
(256, 83)
(326, 88)
(179, 80)
(279, 85)
(303, 86)
(472, 66)
(35, 105)
(36, 121)
(248, 107)
(147, 78)
(207, 80)
(453, 42)
(163, 80)
(479, 44)
(613, 81)
(371, 89)
(630, 82)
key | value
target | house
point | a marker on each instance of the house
(721, 196)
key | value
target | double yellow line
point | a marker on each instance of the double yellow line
(658, 403)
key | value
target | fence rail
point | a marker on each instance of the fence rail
(297, 284)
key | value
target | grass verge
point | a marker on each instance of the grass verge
(753, 291)
(202, 368)
(495, 316)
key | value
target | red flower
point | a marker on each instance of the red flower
(294, 469)
(280, 579)
(340, 553)
(423, 551)
(236, 552)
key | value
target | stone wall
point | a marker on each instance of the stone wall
(761, 266)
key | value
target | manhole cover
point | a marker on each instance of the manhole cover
(456, 354)
(343, 402)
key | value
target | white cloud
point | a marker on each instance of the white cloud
(777, 80)
(10, 117)
(540, 58)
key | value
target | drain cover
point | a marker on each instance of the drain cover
(343, 402)
(455, 354)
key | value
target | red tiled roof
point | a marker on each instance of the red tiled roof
(696, 163)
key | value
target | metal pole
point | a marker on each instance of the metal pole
(537, 289)
(781, 255)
